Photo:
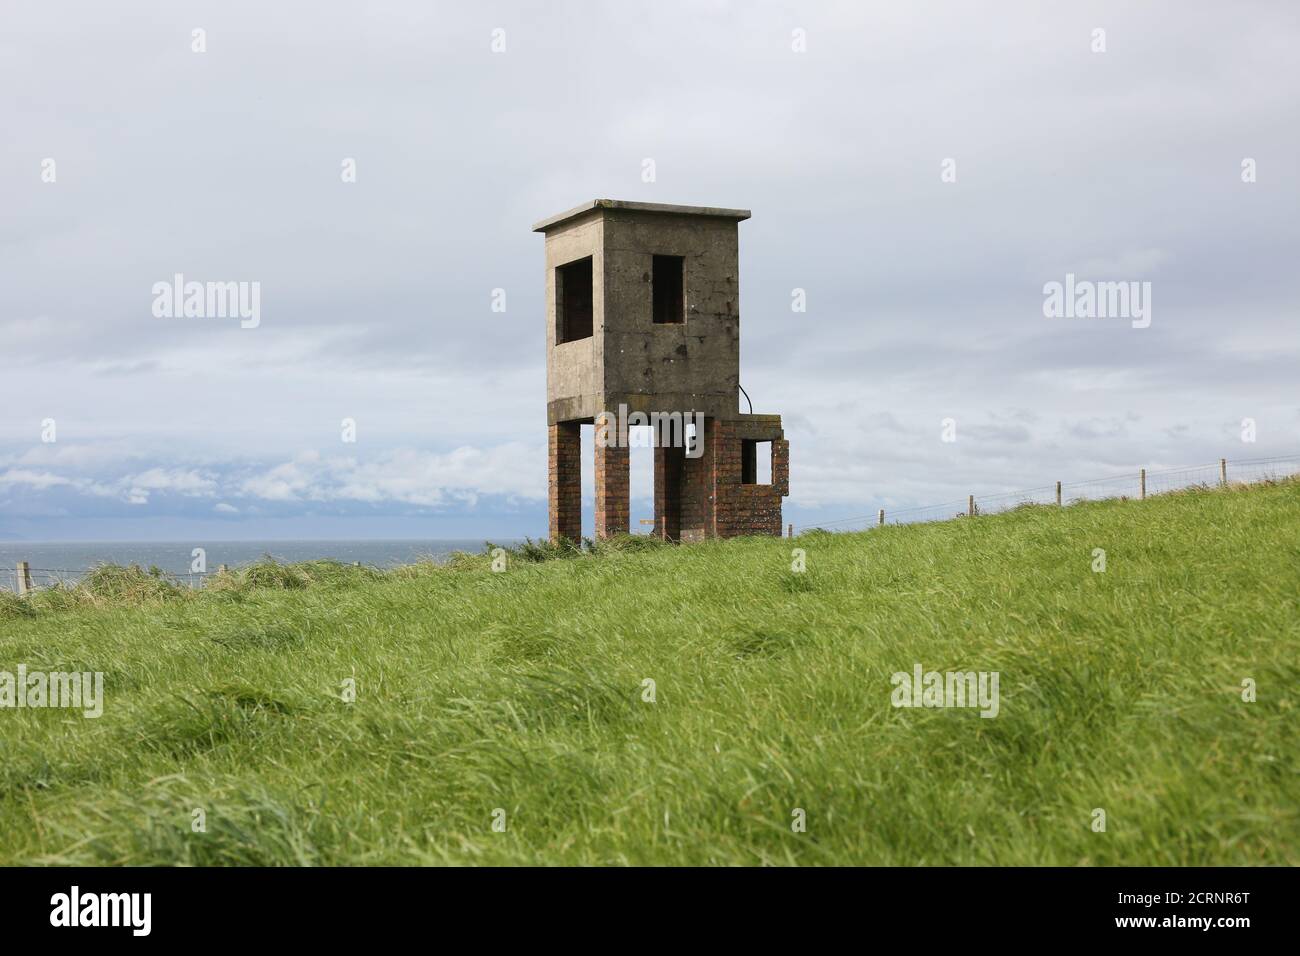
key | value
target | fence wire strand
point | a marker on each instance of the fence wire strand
(1127, 485)
(46, 578)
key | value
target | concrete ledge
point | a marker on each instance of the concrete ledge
(755, 427)
(739, 215)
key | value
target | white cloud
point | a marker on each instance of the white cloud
(185, 481)
(40, 480)
(405, 475)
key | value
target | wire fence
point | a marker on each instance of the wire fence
(1129, 485)
(38, 578)
(1135, 484)
(25, 578)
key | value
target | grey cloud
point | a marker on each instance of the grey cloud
(924, 297)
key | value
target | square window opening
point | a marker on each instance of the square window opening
(755, 462)
(667, 290)
(573, 301)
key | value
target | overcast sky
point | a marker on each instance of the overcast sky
(924, 296)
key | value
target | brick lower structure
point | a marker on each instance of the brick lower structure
(741, 506)
(613, 489)
(712, 495)
(564, 474)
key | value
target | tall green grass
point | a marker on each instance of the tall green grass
(524, 691)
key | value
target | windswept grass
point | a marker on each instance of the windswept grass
(526, 692)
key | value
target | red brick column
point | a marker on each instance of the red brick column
(781, 466)
(668, 492)
(564, 474)
(699, 487)
(613, 487)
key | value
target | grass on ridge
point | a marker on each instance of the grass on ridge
(523, 692)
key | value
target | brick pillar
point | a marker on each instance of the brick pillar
(699, 488)
(613, 487)
(564, 474)
(668, 492)
(781, 466)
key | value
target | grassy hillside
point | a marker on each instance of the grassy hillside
(523, 691)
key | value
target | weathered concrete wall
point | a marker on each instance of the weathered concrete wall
(575, 370)
(693, 366)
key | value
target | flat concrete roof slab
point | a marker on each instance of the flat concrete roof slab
(739, 215)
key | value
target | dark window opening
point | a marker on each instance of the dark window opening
(573, 301)
(755, 462)
(669, 305)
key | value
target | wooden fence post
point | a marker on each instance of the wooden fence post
(970, 506)
(24, 578)
(882, 518)
(1142, 482)
(1058, 494)
(1223, 471)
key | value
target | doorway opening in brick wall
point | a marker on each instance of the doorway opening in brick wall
(669, 466)
(588, 480)
(641, 490)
